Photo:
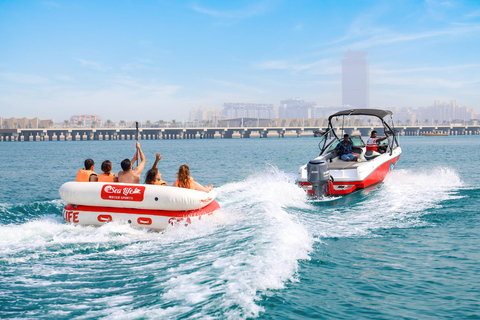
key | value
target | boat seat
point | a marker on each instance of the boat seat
(369, 155)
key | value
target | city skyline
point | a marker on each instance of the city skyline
(153, 60)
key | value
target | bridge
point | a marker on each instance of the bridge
(78, 134)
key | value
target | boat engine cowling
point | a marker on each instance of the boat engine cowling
(318, 175)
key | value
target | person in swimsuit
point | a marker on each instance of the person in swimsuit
(185, 181)
(153, 175)
(129, 175)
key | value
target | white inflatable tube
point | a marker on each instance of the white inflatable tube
(138, 196)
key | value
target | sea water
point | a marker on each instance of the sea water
(406, 249)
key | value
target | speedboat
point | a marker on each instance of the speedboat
(140, 205)
(328, 175)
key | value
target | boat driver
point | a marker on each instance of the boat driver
(344, 149)
(129, 175)
(372, 145)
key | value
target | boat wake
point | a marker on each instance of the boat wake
(220, 266)
(217, 267)
(400, 202)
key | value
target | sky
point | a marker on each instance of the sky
(155, 60)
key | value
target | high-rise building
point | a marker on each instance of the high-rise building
(355, 80)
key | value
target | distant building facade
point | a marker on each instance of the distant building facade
(442, 112)
(87, 120)
(204, 114)
(355, 80)
(25, 123)
(296, 108)
(248, 110)
(437, 114)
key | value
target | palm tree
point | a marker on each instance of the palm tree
(94, 124)
(425, 121)
(148, 124)
(66, 123)
(80, 123)
(409, 122)
(109, 123)
(122, 123)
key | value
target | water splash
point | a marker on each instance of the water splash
(219, 266)
(400, 202)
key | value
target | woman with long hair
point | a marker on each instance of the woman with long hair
(185, 181)
(153, 175)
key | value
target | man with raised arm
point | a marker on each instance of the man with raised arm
(129, 175)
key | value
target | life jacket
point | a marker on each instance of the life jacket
(160, 183)
(192, 186)
(83, 175)
(106, 177)
(372, 144)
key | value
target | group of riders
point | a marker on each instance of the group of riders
(132, 175)
(344, 149)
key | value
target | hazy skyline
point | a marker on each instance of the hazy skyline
(155, 60)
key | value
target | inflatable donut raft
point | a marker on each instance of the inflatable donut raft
(140, 205)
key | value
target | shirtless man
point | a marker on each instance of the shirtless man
(129, 175)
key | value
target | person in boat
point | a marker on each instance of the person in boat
(107, 175)
(344, 149)
(372, 145)
(153, 175)
(185, 181)
(87, 174)
(128, 174)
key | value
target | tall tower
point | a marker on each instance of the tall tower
(355, 82)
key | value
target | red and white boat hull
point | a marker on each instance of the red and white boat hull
(143, 218)
(346, 181)
(148, 206)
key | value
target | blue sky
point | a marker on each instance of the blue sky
(152, 60)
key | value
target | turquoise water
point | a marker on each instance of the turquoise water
(407, 249)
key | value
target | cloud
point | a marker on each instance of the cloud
(21, 78)
(298, 27)
(50, 4)
(422, 81)
(91, 64)
(323, 66)
(391, 38)
(474, 14)
(235, 85)
(255, 9)
(425, 69)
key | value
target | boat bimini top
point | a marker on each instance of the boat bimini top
(330, 135)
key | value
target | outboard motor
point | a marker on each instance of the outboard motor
(318, 176)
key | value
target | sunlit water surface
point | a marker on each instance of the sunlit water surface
(407, 249)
